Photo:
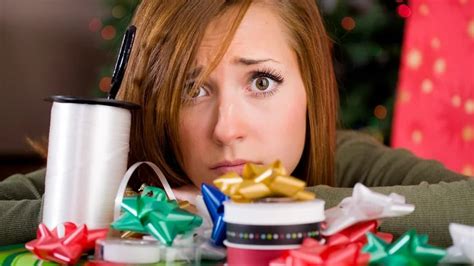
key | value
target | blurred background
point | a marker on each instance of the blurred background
(55, 47)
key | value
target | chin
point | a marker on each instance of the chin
(199, 181)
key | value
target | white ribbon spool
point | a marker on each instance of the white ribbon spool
(128, 251)
(87, 157)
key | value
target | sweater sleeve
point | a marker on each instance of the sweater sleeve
(439, 195)
(20, 207)
(360, 158)
(436, 205)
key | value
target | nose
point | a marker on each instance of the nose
(230, 121)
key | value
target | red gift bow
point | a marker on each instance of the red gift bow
(67, 249)
(313, 253)
(357, 234)
(343, 248)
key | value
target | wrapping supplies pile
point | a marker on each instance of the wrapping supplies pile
(350, 235)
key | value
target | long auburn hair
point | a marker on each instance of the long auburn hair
(168, 36)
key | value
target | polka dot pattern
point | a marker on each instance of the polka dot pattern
(414, 59)
(469, 106)
(427, 86)
(456, 100)
(434, 109)
(439, 66)
(435, 43)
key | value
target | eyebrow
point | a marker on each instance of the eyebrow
(240, 60)
(249, 61)
(194, 72)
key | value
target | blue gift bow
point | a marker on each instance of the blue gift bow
(214, 200)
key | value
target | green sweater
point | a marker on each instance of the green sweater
(440, 196)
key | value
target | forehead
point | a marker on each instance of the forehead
(260, 34)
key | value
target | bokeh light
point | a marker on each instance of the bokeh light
(348, 23)
(104, 84)
(118, 11)
(108, 32)
(380, 112)
(95, 24)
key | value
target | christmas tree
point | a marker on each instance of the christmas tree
(367, 43)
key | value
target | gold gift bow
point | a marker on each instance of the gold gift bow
(259, 182)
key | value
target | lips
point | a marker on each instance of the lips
(230, 166)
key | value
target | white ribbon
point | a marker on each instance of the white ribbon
(126, 178)
(462, 250)
(364, 205)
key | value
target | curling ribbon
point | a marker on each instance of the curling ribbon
(410, 249)
(214, 200)
(65, 244)
(259, 182)
(312, 253)
(123, 185)
(151, 212)
(364, 205)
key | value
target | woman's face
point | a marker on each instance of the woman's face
(251, 108)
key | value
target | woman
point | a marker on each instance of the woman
(222, 83)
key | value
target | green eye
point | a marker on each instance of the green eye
(262, 83)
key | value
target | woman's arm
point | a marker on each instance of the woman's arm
(360, 158)
(439, 195)
(20, 207)
(436, 205)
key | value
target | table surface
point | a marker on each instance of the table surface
(18, 255)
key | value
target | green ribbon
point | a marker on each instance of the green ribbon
(151, 212)
(410, 249)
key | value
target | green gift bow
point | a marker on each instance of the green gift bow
(410, 249)
(151, 212)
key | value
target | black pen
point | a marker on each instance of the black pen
(122, 60)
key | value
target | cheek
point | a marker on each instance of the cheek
(284, 128)
(192, 131)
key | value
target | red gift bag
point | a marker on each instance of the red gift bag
(434, 110)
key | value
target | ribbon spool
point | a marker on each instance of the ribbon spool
(128, 251)
(263, 231)
(87, 157)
